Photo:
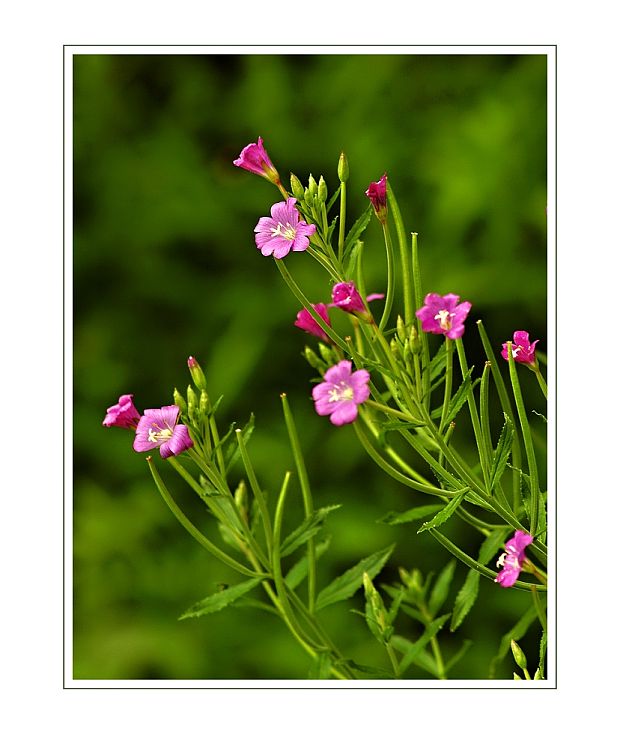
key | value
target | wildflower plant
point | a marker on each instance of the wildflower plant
(398, 377)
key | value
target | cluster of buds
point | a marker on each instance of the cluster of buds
(406, 342)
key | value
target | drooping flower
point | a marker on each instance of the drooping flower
(254, 158)
(341, 392)
(283, 231)
(377, 193)
(443, 315)
(309, 324)
(346, 297)
(122, 415)
(522, 349)
(512, 560)
(159, 427)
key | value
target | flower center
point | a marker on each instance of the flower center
(288, 232)
(515, 351)
(161, 434)
(445, 319)
(340, 392)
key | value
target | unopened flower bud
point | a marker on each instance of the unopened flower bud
(313, 359)
(309, 198)
(518, 655)
(395, 347)
(400, 329)
(326, 353)
(322, 190)
(313, 187)
(241, 499)
(414, 340)
(192, 403)
(180, 401)
(343, 168)
(204, 403)
(197, 374)
(297, 187)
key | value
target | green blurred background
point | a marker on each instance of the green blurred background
(165, 266)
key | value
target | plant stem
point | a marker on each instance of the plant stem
(447, 385)
(389, 297)
(341, 221)
(258, 494)
(404, 254)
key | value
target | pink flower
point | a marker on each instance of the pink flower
(309, 324)
(159, 427)
(442, 315)
(377, 193)
(346, 297)
(122, 415)
(254, 158)
(512, 561)
(341, 392)
(522, 350)
(283, 231)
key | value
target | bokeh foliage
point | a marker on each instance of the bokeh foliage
(165, 266)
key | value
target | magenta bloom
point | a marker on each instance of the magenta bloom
(522, 350)
(309, 324)
(443, 315)
(377, 193)
(346, 297)
(283, 231)
(122, 415)
(159, 427)
(254, 158)
(341, 392)
(512, 560)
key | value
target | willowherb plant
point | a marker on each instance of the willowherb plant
(401, 397)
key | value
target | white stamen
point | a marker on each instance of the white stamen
(445, 319)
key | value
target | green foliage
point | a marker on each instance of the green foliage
(308, 529)
(220, 599)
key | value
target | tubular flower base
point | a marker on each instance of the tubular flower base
(283, 231)
(512, 560)
(341, 392)
(159, 427)
(122, 415)
(309, 324)
(254, 158)
(443, 315)
(346, 297)
(522, 350)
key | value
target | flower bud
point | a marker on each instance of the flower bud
(518, 655)
(297, 187)
(400, 329)
(538, 674)
(241, 499)
(326, 353)
(180, 401)
(197, 374)
(322, 190)
(203, 406)
(192, 403)
(309, 198)
(395, 347)
(312, 185)
(343, 168)
(313, 359)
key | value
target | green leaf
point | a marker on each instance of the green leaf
(441, 588)
(416, 513)
(458, 399)
(371, 670)
(502, 452)
(321, 667)
(438, 362)
(444, 514)
(351, 258)
(457, 656)
(542, 654)
(220, 599)
(231, 454)
(308, 528)
(413, 649)
(468, 593)
(300, 570)
(515, 633)
(357, 229)
(346, 585)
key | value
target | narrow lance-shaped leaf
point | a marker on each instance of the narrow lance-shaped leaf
(220, 599)
(458, 399)
(414, 649)
(346, 585)
(416, 513)
(308, 528)
(441, 588)
(515, 633)
(357, 229)
(502, 452)
(300, 570)
(444, 514)
(468, 593)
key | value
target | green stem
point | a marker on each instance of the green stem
(258, 494)
(393, 411)
(341, 222)
(527, 441)
(540, 610)
(193, 530)
(447, 385)
(404, 255)
(393, 660)
(306, 494)
(541, 381)
(422, 335)
(389, 297)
